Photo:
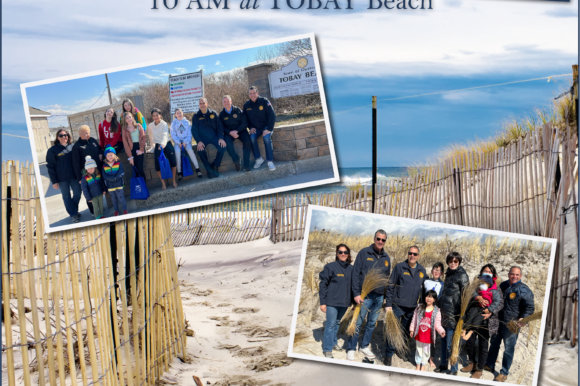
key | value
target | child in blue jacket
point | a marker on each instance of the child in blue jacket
(113, 175)
(93, 187)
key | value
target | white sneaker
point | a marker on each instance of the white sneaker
(350, 355)
(367, 352)
(258, 163)
(271, 166)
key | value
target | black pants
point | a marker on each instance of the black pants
(169, 152)
(138, 160)
(244, 137)
(481, 333)
(473, 318)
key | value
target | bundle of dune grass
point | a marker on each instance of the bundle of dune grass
(513, 325)
(395, 334)
(374, 279)
(466, 297)
(345, 321)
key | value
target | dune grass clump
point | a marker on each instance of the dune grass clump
(374, 279)
(513, 325)
(466, 297)
(395, 333)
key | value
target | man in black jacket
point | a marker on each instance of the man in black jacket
(371, 257)
(518, 304)
(236, 127)
(85, 146)
(261, 118)
(207, 129)
(403, 293)
(456, 280)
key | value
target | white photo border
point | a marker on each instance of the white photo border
(291, 353)
(315, 54)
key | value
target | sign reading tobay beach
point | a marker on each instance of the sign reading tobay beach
(297, 78)
(185, 91)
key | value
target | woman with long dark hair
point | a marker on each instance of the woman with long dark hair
(110, 131)
(335, 295)
(59, 163)
(488, 328)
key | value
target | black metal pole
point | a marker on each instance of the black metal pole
(374, 150)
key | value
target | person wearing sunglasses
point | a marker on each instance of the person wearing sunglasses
(335, 296)
(403, 293)
(59, 163)
(456, 280)
(371, 257)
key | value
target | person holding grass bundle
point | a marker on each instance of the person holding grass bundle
(335, 295)
(456, 280)
(403, 293)
(371, 257)
(93, 187)
(181, 135)
(518, 304)
(473, 317)
(488, 328)
(426, 321)
(113, 176)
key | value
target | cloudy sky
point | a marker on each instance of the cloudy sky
(388, 53)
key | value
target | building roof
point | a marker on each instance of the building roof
(34, 112)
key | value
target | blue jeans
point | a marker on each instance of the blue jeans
(509, 340)
(405, 316)
(446, 349)
(203, 153)
(371, 305)
(333, 316)
(71, 203)
(267, 144)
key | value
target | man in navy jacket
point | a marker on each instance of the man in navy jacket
(518, 303)
(403, 293)
(261, 118)
(371, 257)
(207, 129)
(236, 127)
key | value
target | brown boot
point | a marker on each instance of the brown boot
(487, 368)
(477, 374)
(500, 378)
(468, 368)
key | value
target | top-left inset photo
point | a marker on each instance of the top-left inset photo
(179, 133)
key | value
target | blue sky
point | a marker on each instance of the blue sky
(458, 44)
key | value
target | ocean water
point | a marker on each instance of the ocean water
(353, 176)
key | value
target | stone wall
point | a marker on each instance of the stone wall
(300, 141)
(258, 76)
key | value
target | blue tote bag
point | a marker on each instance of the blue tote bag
(186, 169)
(164, 167)
(139, 189)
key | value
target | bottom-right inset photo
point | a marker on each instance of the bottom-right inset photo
(421, 297)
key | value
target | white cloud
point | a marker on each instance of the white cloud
(161, 71)
(149, 76)
(218, 63)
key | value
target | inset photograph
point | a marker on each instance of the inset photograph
(421, 298)
(173, 134)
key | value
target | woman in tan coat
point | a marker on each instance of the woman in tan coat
(134, 140)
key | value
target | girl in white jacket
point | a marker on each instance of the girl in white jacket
(181, 136)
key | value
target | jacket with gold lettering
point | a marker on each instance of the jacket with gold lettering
(367, 259)
(205, 127)
(405, 285)
(335, 284)
(236, 120)
(260, 114)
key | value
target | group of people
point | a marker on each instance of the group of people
(428, 308)
(93, 167)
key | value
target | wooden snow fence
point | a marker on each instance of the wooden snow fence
(105, 310)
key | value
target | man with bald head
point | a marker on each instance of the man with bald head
(518, 303)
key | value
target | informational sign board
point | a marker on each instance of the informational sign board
(297, 78)
(185, 91)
